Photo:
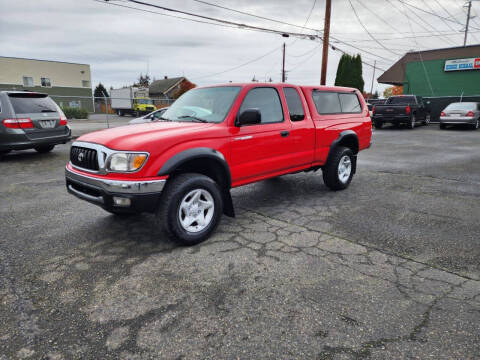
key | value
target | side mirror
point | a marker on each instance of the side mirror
(249, 117)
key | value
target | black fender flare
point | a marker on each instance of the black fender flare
(344, 135)
(203, 153)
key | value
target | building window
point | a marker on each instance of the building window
(85, 83)
(27, 81)
(45, 82)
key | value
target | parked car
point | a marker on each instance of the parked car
(461, 113)
(153, 116)
(31, 120)
(372, 102)
(217, 138)
(401, 109)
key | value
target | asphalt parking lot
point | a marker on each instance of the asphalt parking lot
(387, 269)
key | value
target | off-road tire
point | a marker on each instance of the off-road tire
(175, 190)
(44, 149)
(331, 169)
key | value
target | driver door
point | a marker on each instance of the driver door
(261, 150)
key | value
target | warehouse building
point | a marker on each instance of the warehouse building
(69, 84)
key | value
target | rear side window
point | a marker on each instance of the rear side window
(326, 102)
(349, 103)
(267, 101)
(294, 104)
(25, 104)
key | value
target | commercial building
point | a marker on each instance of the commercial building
(69, 84)
(440, 72)
(441, 76)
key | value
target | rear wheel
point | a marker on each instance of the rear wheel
(412, 123)
(44, 149)
(378, 124)
(443, 126)
(191, 208)
(338, 172)
(120, 113)
(475, 125)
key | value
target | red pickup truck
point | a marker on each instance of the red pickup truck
(216, 138)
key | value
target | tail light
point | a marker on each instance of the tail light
(470, 113)
(373, 110)
(25, 123)
(408, 109)
(443, 114)
(63, 121)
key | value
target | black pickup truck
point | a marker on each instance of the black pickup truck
(401, 109)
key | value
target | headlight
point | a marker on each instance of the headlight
(125, 162)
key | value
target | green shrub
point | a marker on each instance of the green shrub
(75, 113)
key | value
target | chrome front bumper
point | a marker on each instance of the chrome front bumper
(116, 186)
(114, 195)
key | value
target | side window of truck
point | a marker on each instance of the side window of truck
(326, 102)
(294, 104)
(266, 100)
(349, 103)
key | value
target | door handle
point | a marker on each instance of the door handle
(284, 133)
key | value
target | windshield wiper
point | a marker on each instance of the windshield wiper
(193, 118)
(48, 111)
(164, 118)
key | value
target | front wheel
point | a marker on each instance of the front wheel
(427, 120)
(191, 208)
(338, 172)
(44, 149)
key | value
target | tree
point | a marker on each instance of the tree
(392, 91)
(142, 81)
(375, 95)
(100, 91)
(185, 85)
(349, 72)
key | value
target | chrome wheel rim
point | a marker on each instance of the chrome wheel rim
(196, 210)
(344, 169)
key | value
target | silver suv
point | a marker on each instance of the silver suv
(31, 120)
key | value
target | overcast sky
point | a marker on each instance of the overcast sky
(120, 43)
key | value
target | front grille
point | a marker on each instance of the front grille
(84, 158)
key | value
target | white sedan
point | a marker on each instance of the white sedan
(153, 116)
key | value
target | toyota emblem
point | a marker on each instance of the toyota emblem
(81, 156)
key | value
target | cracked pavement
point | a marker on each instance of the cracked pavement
(387, 269)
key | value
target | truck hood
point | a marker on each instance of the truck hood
(143, 136)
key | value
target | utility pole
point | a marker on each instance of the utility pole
(326, 37)
(373, 76)
(468, 22)
(283, 64)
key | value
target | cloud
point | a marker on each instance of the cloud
(119, 44)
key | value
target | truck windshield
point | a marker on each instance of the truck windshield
(401, 100)
(206, 104)
(145, 101)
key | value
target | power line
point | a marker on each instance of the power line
(431, 13)
(228, 22)
(368, 32)
(259, 16)
(167, 15)
(238, 66)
